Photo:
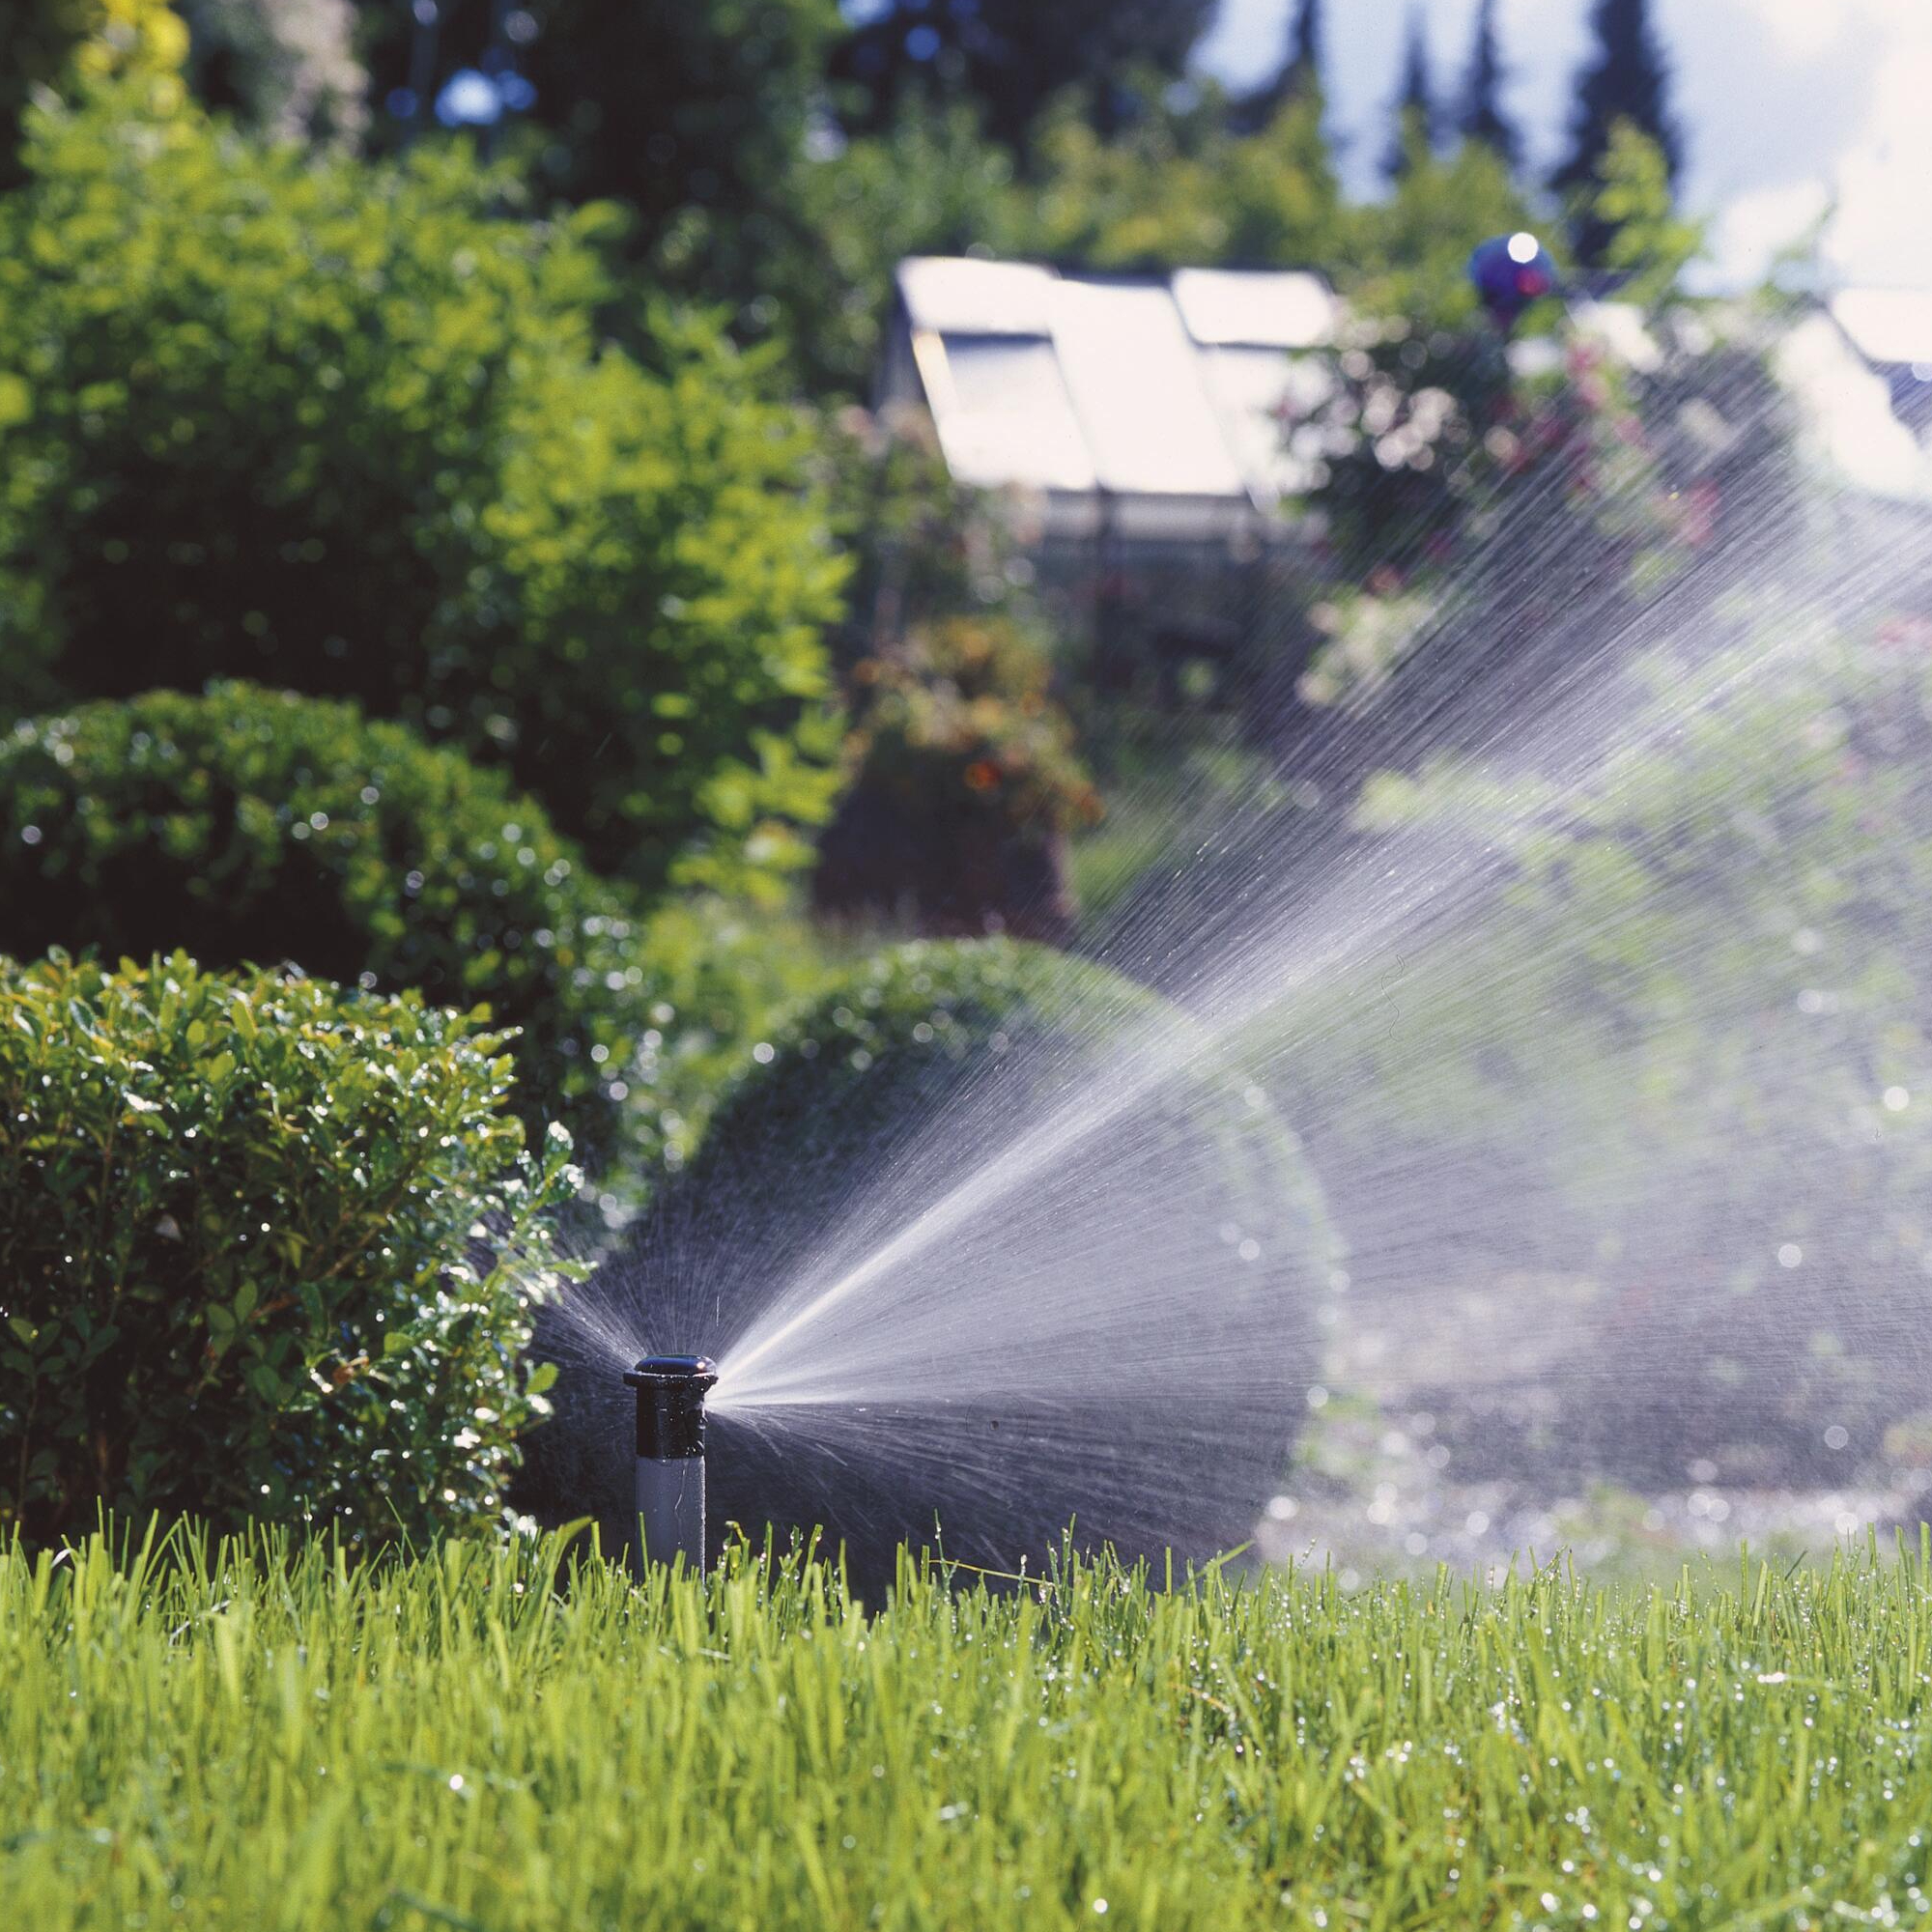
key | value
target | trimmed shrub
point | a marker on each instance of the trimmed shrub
(250, 825)
(243, 1252)
(863, 1110)
(341, 426)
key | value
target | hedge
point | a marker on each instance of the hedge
(252, 825)
(268, 1249)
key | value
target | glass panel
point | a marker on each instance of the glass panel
(1261, 394)
(1136, 383)
(1249, 308)
(957, 296)
(1007, 419)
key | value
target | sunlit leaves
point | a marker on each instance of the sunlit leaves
(235, 1257)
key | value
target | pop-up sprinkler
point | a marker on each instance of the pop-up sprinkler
(670, 1454)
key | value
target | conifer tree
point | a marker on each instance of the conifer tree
(1626, 79)
(1300, 74)
(1482, 118)
(1303, 67)
(1415, 130)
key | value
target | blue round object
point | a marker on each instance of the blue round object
(470, 99)
(1510, 272)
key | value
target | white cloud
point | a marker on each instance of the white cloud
(1751, 230)
(1883, 229)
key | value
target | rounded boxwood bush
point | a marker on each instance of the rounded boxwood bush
(866, 1108)
(243, 1266)
(248, 823)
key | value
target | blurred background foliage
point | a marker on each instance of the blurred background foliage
(348, 425)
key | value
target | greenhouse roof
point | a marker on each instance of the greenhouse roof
(1130, 385)
(1886, 326)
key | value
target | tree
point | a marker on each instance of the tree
(1186, 188)
(270, 414)
(1626, 79)
(1304, 58)
(1646, 241)
(286, 65)
(1016, 55)
(689, 111)
(1300, 73)
(1482, 118)
(928, 183)
(1415, 120)
(43, 43)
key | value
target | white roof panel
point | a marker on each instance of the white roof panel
(1846, 414)
(1888, 324)
(958, 294)
(1259, 395)
(1139, 387)
(1138, 391)
(1002, 413)
(1254, 308)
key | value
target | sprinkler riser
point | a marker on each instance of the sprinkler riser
(669, 1481)
(670, 1509)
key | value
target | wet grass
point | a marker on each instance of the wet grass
(484, 1739)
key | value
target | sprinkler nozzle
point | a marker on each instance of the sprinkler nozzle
(670, 1404)
(670, 1454)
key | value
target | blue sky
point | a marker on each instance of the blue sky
(1787, 105)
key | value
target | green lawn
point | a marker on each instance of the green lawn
(254, 1740)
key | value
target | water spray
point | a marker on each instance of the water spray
(671, 1455)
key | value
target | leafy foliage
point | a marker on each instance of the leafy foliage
(346, 427)
(256, 825)
(268, 1249)
(1627, 78)
(1645, 241)
(48, 44)
(965, 781)
(691, 112)
(1185, 187)
(927, 181)
(1408, 255)
(1013, 57)
(720, 970)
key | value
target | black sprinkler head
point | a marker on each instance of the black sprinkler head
(671, 1405)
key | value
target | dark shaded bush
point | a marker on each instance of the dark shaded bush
(344, 428)
(250, 825)
(965, 785)
(244, 1267)
(866, 1108)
